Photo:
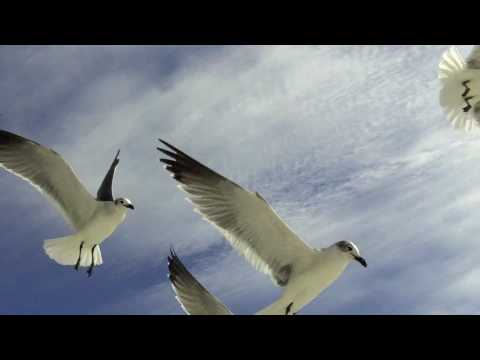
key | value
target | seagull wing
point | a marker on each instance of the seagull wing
(105, 192)
(192, 296)
(244, 218)
(473, 60)
(48, 173)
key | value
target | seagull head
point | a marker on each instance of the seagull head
(125, 203)
(351, 250)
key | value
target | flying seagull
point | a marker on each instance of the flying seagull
(460, 92)
(254, 229)
(192, 296)
(93, 219)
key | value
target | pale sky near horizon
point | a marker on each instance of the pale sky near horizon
(345, 142)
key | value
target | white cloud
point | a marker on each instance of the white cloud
(345, 142)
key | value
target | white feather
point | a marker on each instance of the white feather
(65, 251)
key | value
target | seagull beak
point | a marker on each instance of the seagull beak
(130, 206)
(361, 260)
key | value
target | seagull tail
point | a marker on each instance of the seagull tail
(456, 80)
(65, 251)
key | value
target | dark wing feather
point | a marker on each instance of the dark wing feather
(105, 192)
(192, 296)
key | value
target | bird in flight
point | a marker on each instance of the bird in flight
(254, 229)
(192, 296)
(92, 219)
(460, 92)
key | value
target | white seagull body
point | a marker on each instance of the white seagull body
(460, 92)
(254, 229)
(93, 219)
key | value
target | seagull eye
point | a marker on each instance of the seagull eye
(349, 248)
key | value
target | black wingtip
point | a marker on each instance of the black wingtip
(169, 153)
(9, 138)
(169, 162)
(171, 258)
(166, 152)
(118, 153)
(178, 151)
(165, 143)
(173, 265)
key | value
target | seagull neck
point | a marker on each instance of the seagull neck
(333, 254)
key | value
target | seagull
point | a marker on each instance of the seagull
(255, 230)
(460, 92)
(92, 219)
(192, 296)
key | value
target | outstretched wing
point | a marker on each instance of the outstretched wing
(48, 173)
(105, 192)
(192, 296)
(244, 218)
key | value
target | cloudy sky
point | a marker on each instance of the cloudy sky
(345, 142)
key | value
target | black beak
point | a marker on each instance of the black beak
(361, 260)
(130, 206)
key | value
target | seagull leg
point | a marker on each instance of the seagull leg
(467, 89)
(92, 264)
(289, 307)
(79, 257)
(468, 107)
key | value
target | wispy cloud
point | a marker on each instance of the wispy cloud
(346, 142)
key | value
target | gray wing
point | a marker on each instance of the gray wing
(105, 192)
(48, 173)
(244, 218)
(192, 296)
(473, 60)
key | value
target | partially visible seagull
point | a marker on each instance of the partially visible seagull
(92, 219)
(192, 296)
(253, 228)
(460, 92)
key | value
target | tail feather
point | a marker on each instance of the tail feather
(65, 251)
(453, 72)
(97, 255)
(452, 63)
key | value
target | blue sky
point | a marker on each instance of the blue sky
(345, 142)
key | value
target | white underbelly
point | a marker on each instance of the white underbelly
(308, 287)
(304, 288)
(101, 228)
(473, 77)
(97, 233)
